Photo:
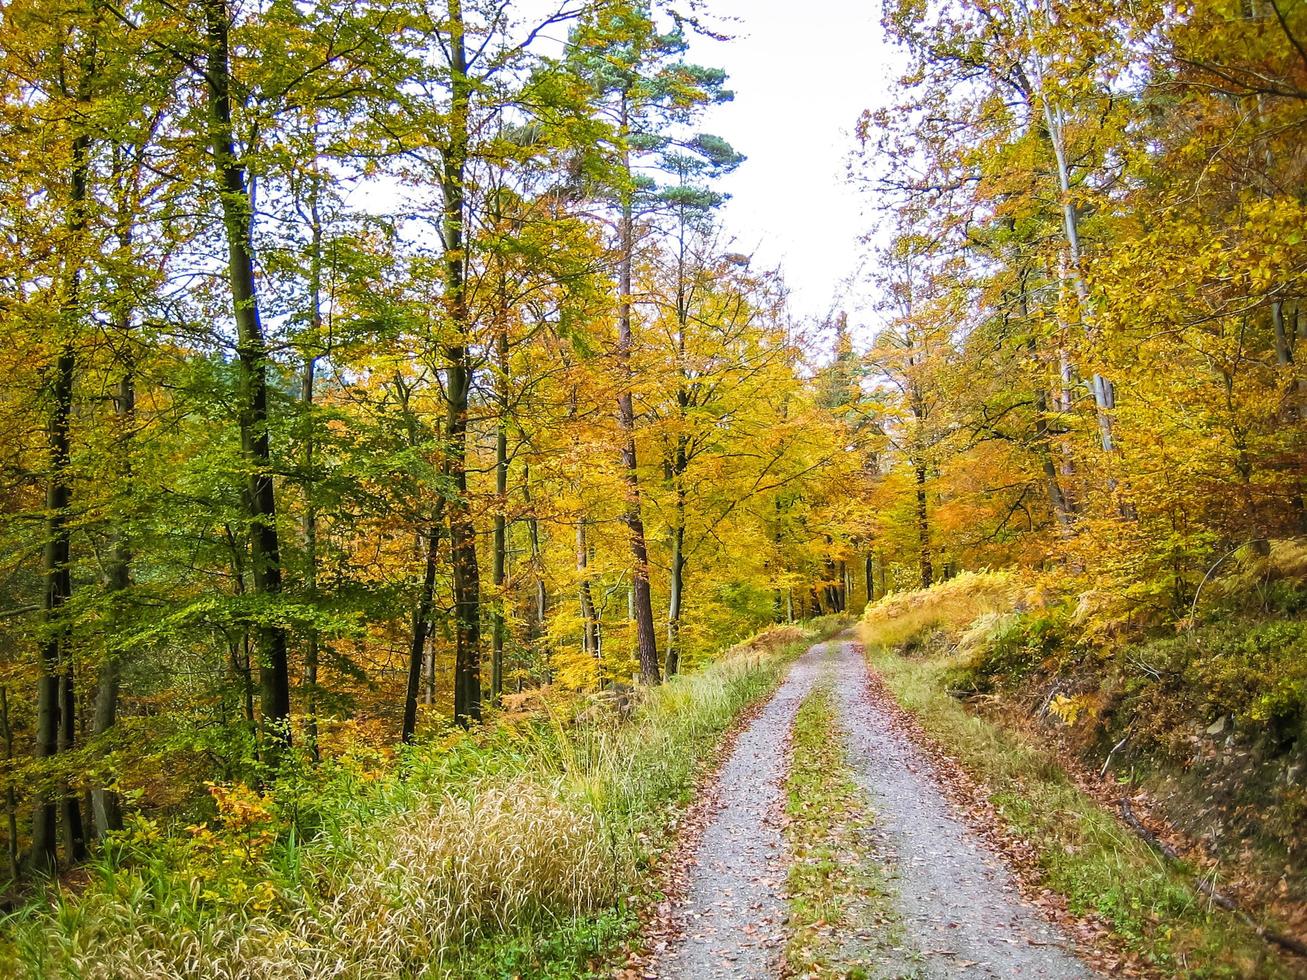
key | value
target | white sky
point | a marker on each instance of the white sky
(802, 74)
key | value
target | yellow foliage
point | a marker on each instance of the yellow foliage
(952, 605)
(1070, 709)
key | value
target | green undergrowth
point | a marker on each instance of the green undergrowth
(521, 849)
(841, 909)
(1084, 853)
(1212, 718)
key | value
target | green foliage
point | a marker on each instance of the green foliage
(522, 847)
(1083, 851)
(1254, 672)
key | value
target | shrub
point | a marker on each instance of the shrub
(903, 618)
(472, 851)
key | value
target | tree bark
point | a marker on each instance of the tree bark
(458, 381)
(11, 798)
(421, 630)
(54, 699)
(541, 608)
(589, 619)
(309, 526)
(500, 545)
(923, 529)
(252, 362)
(677, 588)
(642, 602)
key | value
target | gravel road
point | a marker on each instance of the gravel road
(961, 913)
(732, 916)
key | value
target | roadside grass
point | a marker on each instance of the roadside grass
(1084, 852)
(523, 849)
(841, 908)
(911, 618)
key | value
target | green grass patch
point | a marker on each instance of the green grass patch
(522, 849)
(1084, 852)
(842, 911)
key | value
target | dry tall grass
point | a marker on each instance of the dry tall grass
(951, 606)
(551, 822)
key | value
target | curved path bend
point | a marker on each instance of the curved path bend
(961, 913)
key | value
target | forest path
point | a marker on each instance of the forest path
(961, 914)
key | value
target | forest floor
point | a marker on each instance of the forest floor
(954, 907)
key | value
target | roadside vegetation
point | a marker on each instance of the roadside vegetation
(524, 847)
(841, 906)
(1021, 683)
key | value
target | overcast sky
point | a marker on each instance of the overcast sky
(802, 74)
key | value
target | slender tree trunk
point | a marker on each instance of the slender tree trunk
(11, 798)
(54, 697)
(429, 670)
(869, 574)
(421, 628)
(539, 629)
(777, 598)
(106, 810)
(70, 805)
(1103, 390)
(923, 529)
(646, 643)
(677, 589)
(462, 534)
(1285, 339)
(241, 661)
(589, 619)
(1061, 505)
(309, 527)
(498, 628)
(252, 360)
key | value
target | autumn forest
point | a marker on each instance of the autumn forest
(412, 493)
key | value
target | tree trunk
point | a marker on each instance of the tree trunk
(589, 620)
(458, 374)
(923, 529)
(539, 628)
(11, 798)
(70, 806)
(1103, 391)
(106, 810)
(677, 589)
(53, 698)
(1285, 338)
(498, 570)
(421, 630)
(1061, 505)
(646, 643)
(252, 359)
(240, 652)
(309, 528)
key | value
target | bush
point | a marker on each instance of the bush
(522, 844)
(949, 607)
